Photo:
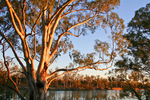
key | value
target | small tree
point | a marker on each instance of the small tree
(40, 30)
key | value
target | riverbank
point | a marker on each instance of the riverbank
(24, 87)
(79, 89)
(84, 89)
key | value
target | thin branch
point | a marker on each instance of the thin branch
(52, 61)
(73, 34)
(89, 24)
(57, 77)
(71, 9)
(133, 90)
(23, 14)
(72, 12)
(34, 46)
(58, 4)
(67, 13)
(56, 20)
(39, 16)
(27, 50)
(14, 51)
(56, 45)
(88, 66)
(59, 11)
(76, 70)
(9, 77)
(22, 97)
(81, 23)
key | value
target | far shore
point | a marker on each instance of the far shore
(24, 87)
(77, 89)
(83, 89)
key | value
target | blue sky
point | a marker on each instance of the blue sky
(126, 11)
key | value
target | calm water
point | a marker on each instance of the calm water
(88, 95)
(74, 95)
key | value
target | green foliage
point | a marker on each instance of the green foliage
(102, 47)
(141, 21)
(138, 58)
(81, 59)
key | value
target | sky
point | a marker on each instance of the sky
(84, 44)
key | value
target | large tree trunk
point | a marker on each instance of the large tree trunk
(41, 83)
(37, 83)
(36, 87)
(41, 90)
(31, 89)
(37, 92)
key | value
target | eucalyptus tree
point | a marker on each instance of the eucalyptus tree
(138, 57)
(41, 30)
(137, 60)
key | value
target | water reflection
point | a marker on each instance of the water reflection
(85, 95)
(6, 94)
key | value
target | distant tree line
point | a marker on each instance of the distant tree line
(79, 81)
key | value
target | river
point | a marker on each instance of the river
(89, 95)
(76, 95)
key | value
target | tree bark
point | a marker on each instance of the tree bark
(41, 93)
(37, 92)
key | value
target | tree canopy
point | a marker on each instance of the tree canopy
(138, 57)
(41, 31)
(137, 60)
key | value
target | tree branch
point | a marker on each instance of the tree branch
(60, 36)
(39, 16)
(72, 12)
(55, 23)
(17, 72)
(23, 14)
(81, 23)
(76, 70)
(74, 34)
(58, 4)
(34, 46)
(14, 51)
(60, 10)
(52, 60)
(57, 77)
(26, 50)
(56, 44)
(88, 66)
(22, 97)
(9, 77)
(13, 14)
